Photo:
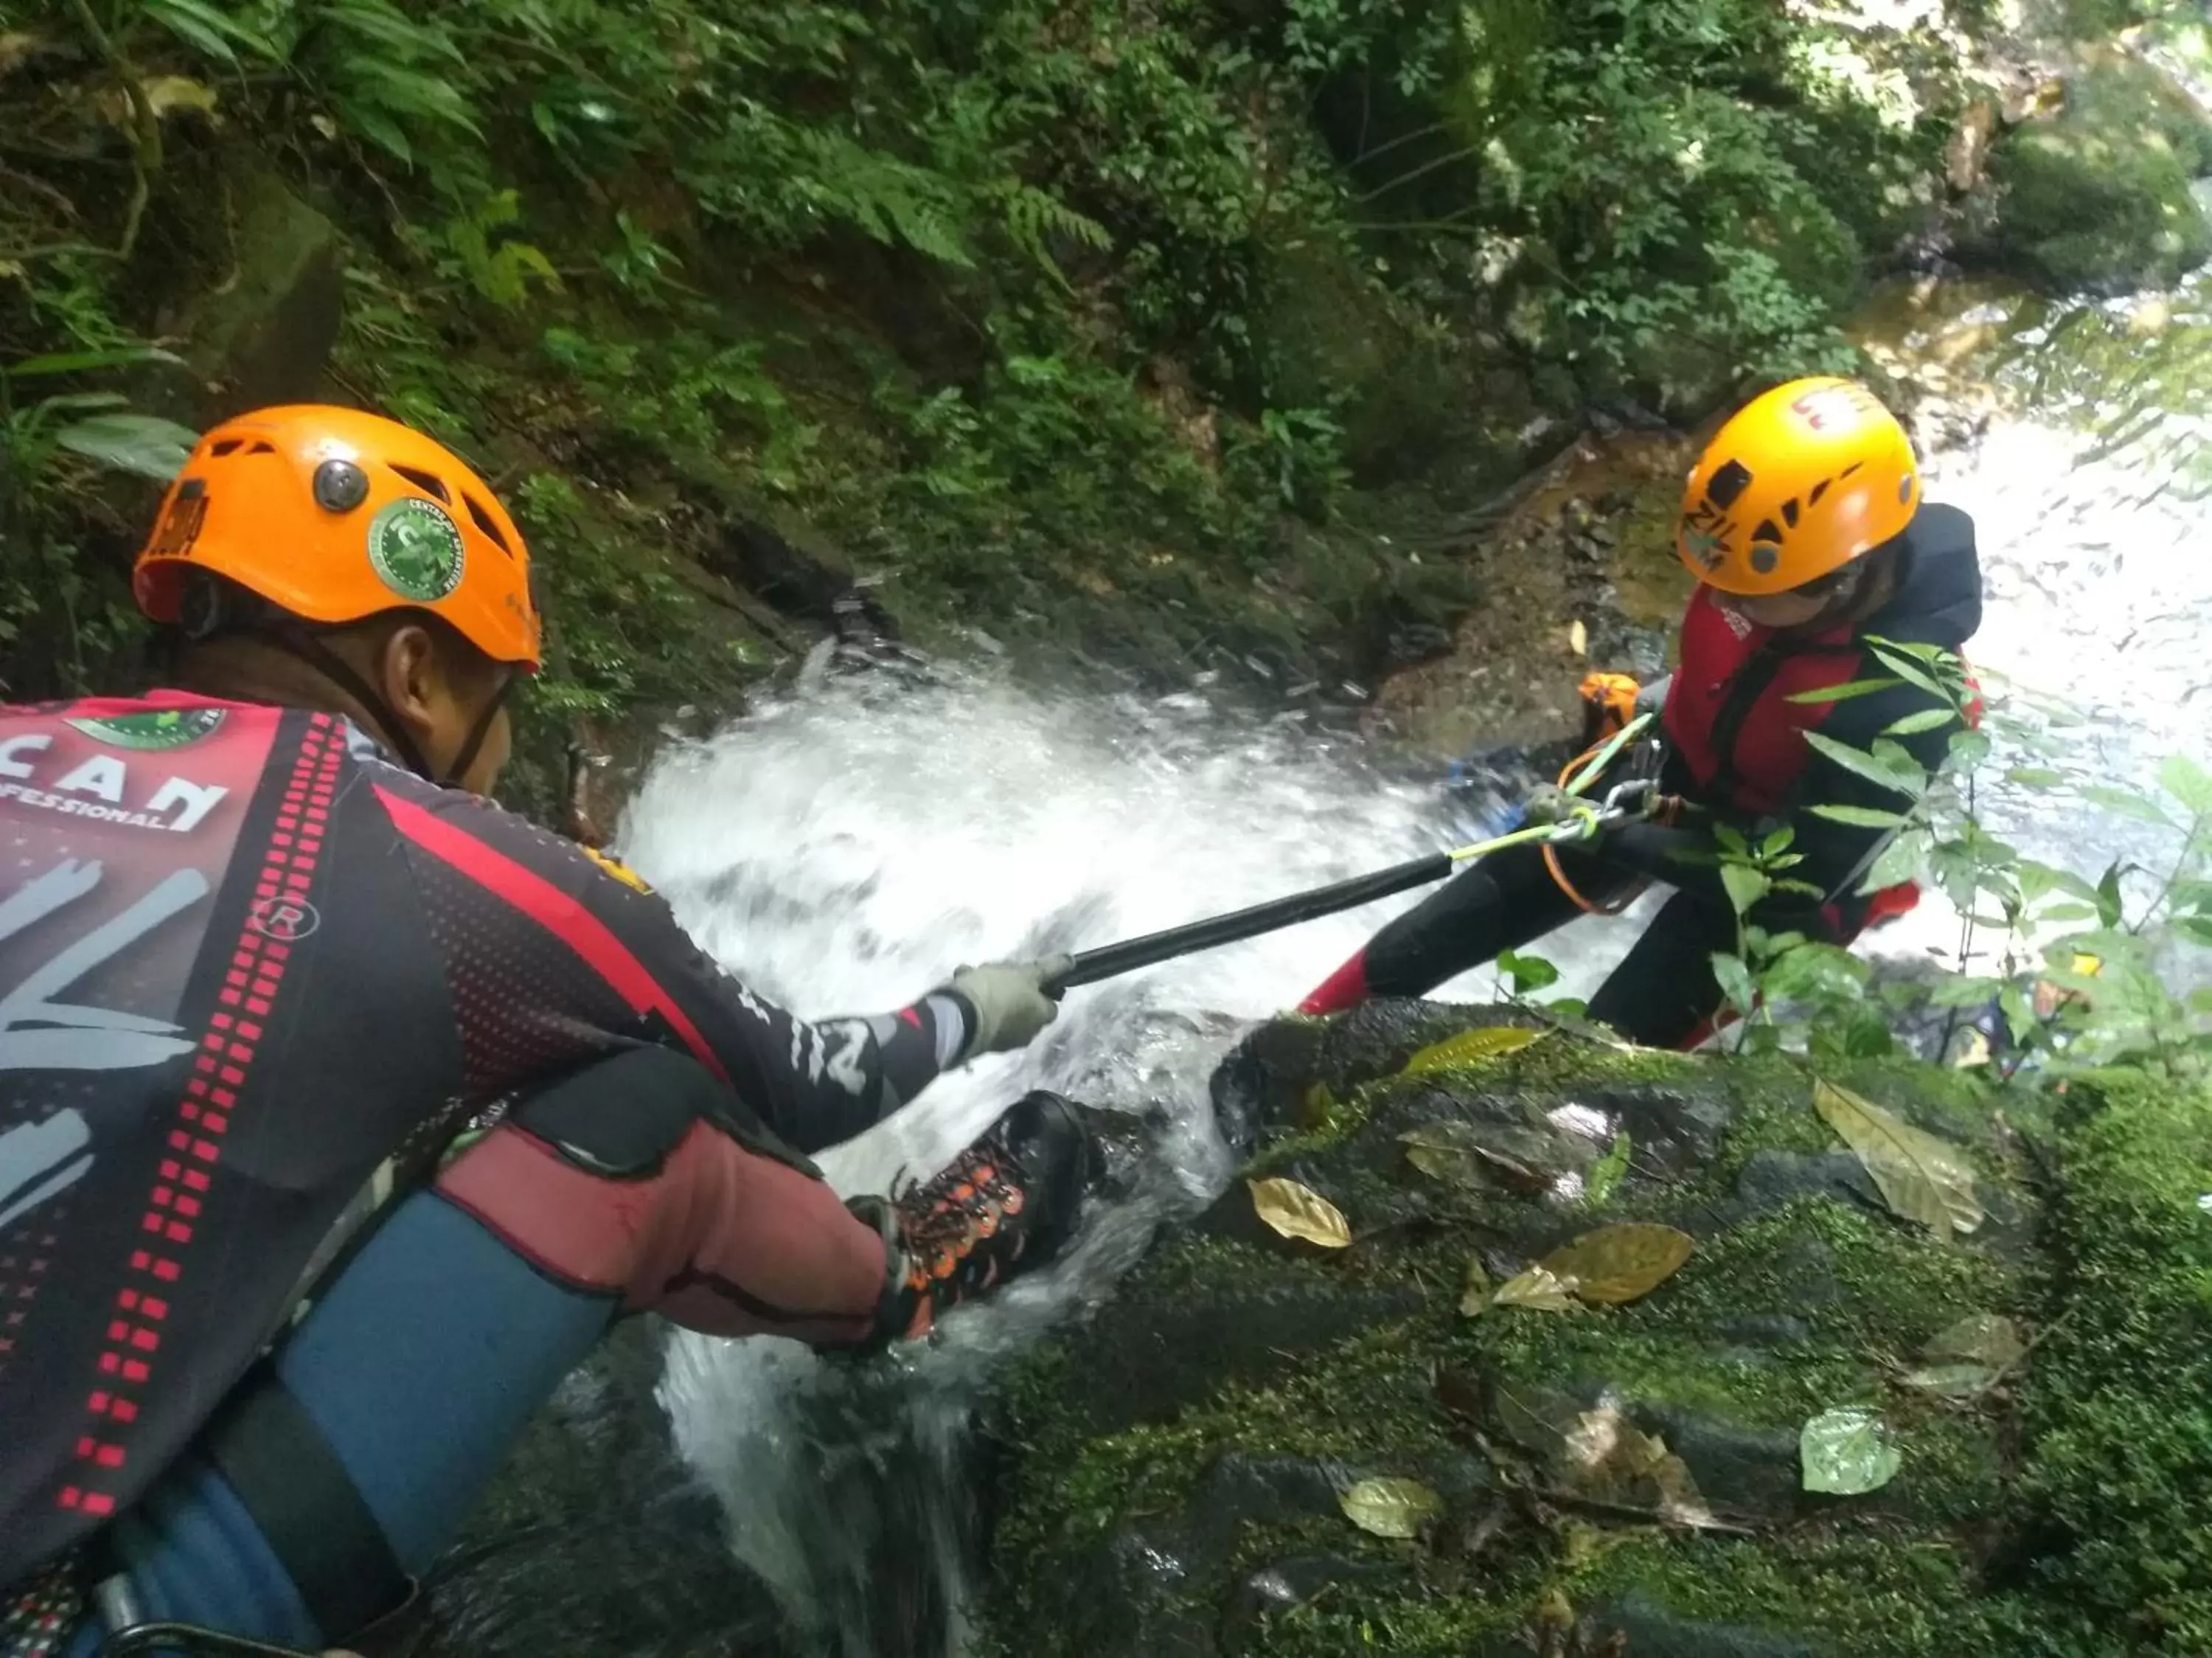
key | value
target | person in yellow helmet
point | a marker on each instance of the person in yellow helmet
(262, 970)
(1804, 523)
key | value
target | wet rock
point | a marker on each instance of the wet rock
(2097, 197)
(1190, 1441)
(1653, 1631)
(262, 334)
(1278, 1588)
(596, 1538)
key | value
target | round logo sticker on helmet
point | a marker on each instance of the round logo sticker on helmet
(416, 550)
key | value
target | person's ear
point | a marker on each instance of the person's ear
(413, 681)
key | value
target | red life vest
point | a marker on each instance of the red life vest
(1728, 714)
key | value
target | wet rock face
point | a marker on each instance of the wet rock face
(2097, 195)
(1622, 1480)
(596, 1539)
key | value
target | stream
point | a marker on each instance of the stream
(852, 846)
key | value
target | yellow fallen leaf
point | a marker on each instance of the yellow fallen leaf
(1617, 1264)
(1298, 1211)
(1578, 639)
(1468, 1046)
(167, 92)
(1474, 1291)
(1390, 1508)
(1920, 1178)
(1538, 1289)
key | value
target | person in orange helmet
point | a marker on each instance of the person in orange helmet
(343, 1112)
(1804, 523)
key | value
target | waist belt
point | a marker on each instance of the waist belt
(301, 1499)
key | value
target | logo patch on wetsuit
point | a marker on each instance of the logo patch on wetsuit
(157, 729)
(618, 869)
(416, 550)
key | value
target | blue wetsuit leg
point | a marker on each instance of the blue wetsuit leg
(421, 1364)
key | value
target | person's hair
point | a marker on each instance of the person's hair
(238, 658)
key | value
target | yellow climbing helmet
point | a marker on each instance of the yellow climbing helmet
(1798, 483)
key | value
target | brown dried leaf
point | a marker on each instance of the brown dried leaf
(1463, 1153)
(1298, 1211)
(1618, 1264)
(1609, 1459)
(1538, 1289)
(1390, 1508)
(1469, 1046)
(1921, 1178)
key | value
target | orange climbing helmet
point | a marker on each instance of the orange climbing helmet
(1798, 483)
(334, 516)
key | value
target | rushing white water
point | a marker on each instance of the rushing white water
(850, 848)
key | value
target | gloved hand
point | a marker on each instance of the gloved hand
(1009, 1002)
(1651, 698)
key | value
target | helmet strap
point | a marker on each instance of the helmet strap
(301, 642)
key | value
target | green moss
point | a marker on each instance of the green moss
(2119, 1476)
(2100, 197)
(1865, 1595)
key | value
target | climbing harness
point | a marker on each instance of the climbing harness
(1586, 768)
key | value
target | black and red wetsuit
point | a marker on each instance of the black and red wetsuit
(248, 969)
(1736, 746)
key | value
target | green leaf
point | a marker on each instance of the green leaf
(213, 30)
(2035, 776)
(77, 363)
(1927, 719)
(2127, 803)
(1862, 817)
(1968, 749)
(1606, 1174)
(2111, 906)
(1390, 1508)
(1903, 859)
(1837, 693)
(1527, 973)
(1746, 886)
(2188, 783)
(1734, 981)
(1470, 1047)
(1777, 843)
(1863, 765)
(145, 444)
(1912, 673)
(1847, 1452)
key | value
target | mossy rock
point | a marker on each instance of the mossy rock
(1181, 1457)
(2099, 197)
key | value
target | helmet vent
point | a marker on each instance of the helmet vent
(1849, 470)
(1768, 530)
(227, 446)
(1789, 512)
(429, 483)
(483, 522)
(1819, 490)
(261, 447)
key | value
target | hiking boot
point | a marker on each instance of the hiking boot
(1005, 1205)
